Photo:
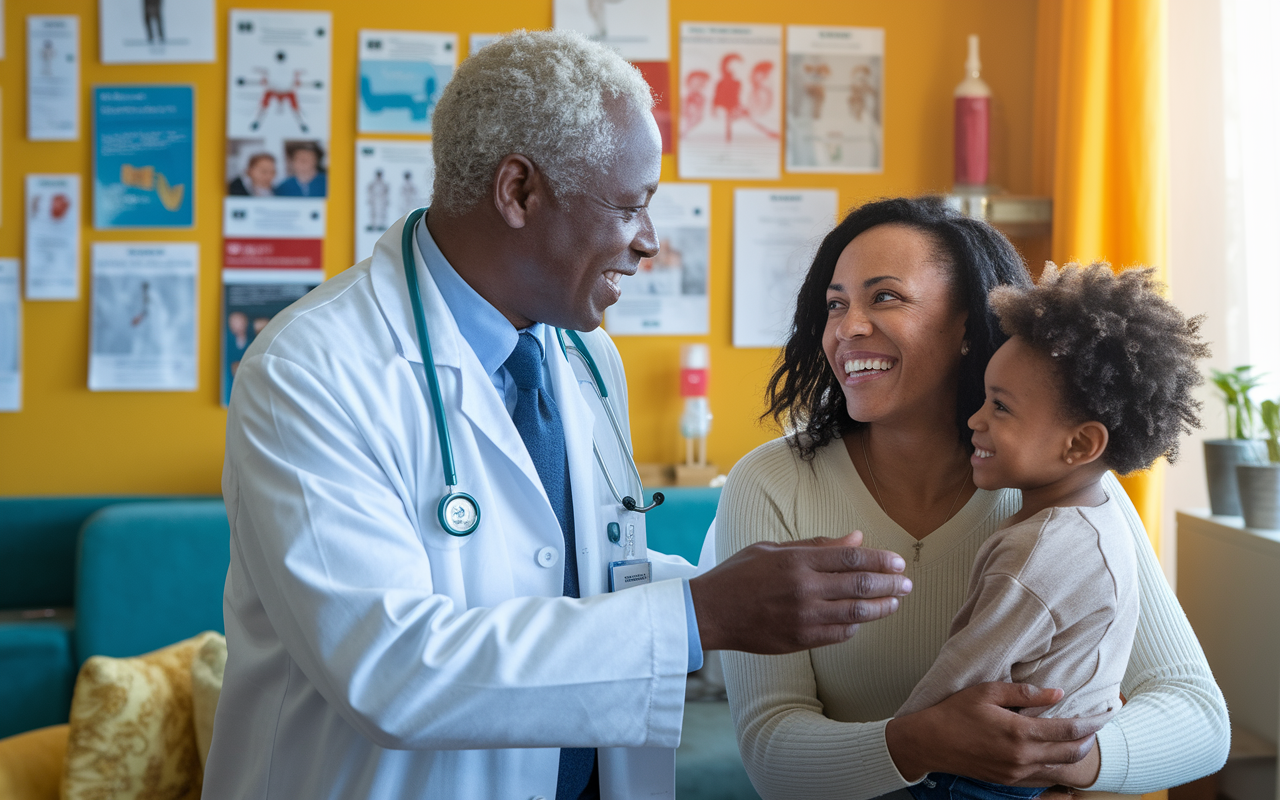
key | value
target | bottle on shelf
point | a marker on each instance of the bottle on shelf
(973, 124)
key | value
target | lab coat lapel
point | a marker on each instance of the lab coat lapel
(478, 402)
(578, 421)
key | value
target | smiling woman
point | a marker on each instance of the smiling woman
(884, 367)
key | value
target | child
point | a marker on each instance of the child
(1097, 376)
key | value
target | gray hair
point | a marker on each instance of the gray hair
(541, 94)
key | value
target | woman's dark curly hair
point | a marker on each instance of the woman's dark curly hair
(1125, 356)
(805, 394)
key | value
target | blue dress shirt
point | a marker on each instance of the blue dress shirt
(493, 338)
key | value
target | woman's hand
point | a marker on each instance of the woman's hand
(974, 733)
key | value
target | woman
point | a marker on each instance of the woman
(883, 369)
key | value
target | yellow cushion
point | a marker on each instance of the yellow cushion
(131, 728)
(31, 764)
(206, 685)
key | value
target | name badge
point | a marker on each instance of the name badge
(625, 574)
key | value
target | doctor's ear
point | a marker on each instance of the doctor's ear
(519, 187)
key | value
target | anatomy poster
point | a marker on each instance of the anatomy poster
(278, 96)
(775, 235)
(392, 179)
(143, 154)
(10, 337)
(143, 328)
(730, 101)
(640, 32)
(53, 78)
(250, 298)
(835, 90)
(478, 41)
(402, 74)
(668, 294)
(156, 31)
(53, 237)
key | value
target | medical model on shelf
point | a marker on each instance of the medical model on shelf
(695, 421)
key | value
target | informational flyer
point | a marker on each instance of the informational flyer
(668, 294)
(143, 328)
(53, 78)
(730, 101)
(640, 32)
(402, 74)
(775, 235)
(278, 100)
(10, 337)
(143, 155)
(479, 40)
(392, 179)
(53, 237)
(835, 89)
(156, 31)
(250, 298)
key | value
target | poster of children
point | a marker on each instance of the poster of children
(730, 101)
(835, 94)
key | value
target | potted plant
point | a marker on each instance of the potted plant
(1260, 483)
(1222, 455)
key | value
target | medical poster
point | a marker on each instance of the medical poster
(10, 337)
(402, 74)
(479, 40)
(775, 236)
(392, 179)
(835, 89)
(250, 298)
(156, 31)
(53, 78)
(730, 101)
(143, 325)
(142, 156)
(640, 32)
(668, 295)
(278, 98)
(53, 237)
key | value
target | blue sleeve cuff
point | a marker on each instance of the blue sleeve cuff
(695, 641)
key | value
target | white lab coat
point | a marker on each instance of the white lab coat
(370, 654)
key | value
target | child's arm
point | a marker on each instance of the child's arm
(1007, 623)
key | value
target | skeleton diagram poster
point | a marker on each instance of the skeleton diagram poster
(402, 74)
(668, 294)
(278, 104)
(156, 31)
(392, 179)
(835, 88)
(730, 101)
(143, 329)
(640, 32)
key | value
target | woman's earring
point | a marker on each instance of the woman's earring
(964, 347)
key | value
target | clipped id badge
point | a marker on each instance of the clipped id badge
(632, 572)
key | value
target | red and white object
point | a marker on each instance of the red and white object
(973, 123)
(695, 422)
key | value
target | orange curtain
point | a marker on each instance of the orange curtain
(1102, 149)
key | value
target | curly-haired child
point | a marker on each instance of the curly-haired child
(1096, 375)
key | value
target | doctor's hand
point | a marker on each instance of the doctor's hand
(782, 597)
(976, 732)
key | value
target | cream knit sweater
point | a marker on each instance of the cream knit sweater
(811, 725)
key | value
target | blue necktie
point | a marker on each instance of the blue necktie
(538, 421)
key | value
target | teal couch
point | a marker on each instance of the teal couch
(127, 575)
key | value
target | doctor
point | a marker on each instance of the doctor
(375, 648)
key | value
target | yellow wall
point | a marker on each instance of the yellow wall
(71, 440)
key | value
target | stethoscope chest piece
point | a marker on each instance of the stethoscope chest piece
(459, 514)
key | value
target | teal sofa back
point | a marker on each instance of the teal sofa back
(149, 575)
(678, 526)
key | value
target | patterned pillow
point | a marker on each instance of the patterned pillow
(206, 685)
(131, 728)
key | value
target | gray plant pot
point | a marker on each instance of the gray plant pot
(1220, 459)
(1260, 494)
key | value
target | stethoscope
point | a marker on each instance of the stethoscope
(458, 512)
